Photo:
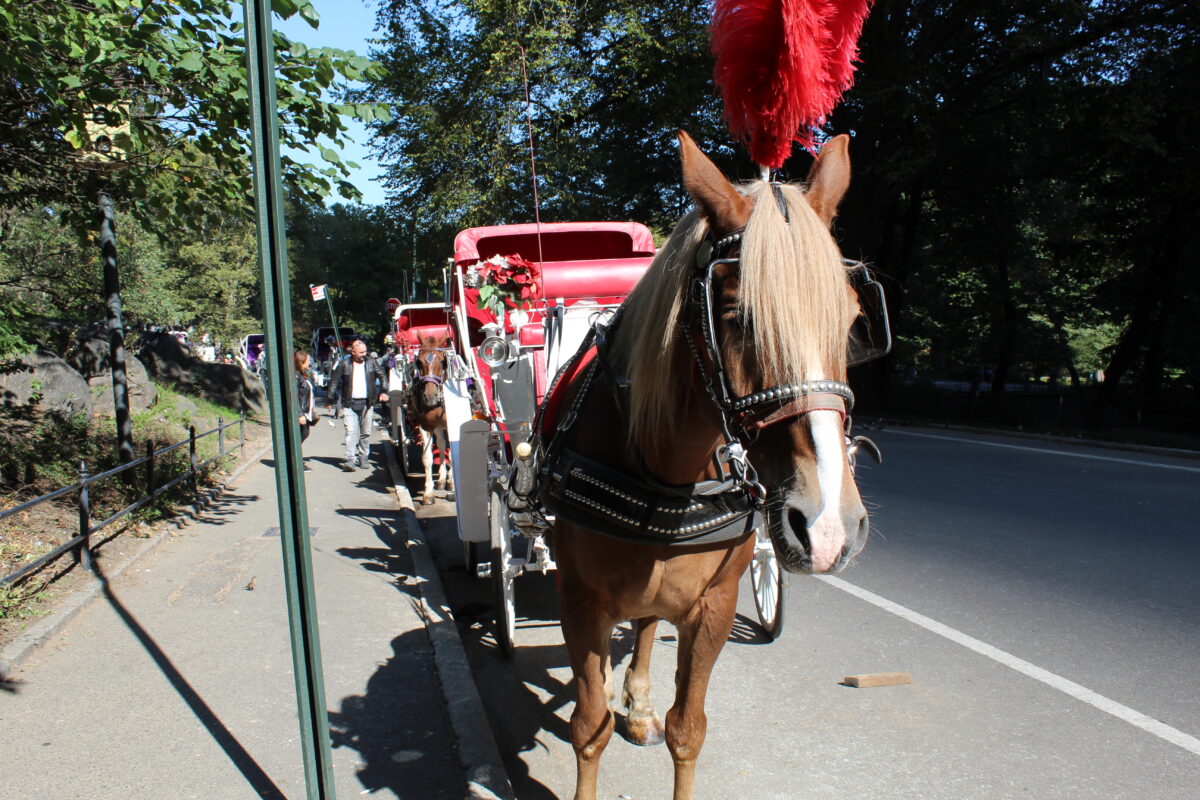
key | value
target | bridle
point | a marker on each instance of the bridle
(742, 418)
(422, 377)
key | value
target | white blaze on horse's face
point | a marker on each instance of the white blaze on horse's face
(826, 532)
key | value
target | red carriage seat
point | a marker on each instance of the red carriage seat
(579, 261)
(604, 280)
(412, 337)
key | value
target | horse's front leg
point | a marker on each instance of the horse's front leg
(427, 463)
(700, 641)
(642, 725)
(588, 641)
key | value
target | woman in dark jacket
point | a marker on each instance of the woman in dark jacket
(304, 397)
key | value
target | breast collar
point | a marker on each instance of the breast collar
(620, 503)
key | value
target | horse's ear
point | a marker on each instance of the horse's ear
(725, 208)
(829, 178)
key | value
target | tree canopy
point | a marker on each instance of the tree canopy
(128, 91)
(149, 99)
(1024, 175)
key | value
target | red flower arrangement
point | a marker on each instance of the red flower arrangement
(507, 281)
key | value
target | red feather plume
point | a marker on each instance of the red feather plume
(782, 65)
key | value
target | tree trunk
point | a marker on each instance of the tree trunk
(116, 328)
(1153, 368)
(1157, 269)
(1007, 325)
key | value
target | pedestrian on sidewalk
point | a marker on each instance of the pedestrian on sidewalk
(305, 398)
(356, 384)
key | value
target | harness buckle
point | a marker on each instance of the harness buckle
(734, 457)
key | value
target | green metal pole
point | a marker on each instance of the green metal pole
(285, 433)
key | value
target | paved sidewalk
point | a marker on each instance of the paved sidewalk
(176, 682)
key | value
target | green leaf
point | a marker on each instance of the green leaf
(330, 155)
(324, 73)
(191, 61)
(284, 8)
(310, 15)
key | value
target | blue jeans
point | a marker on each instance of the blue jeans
(358, 433)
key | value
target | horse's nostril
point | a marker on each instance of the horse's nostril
(799, 528)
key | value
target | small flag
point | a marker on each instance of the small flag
(318, 292)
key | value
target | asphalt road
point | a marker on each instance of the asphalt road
(1043, 596)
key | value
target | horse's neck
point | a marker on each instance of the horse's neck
(686, 459)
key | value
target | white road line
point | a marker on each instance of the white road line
(1082, 693)
(1045, 451)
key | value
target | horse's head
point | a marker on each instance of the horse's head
(430, 366)
(781, 310)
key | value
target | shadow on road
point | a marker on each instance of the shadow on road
(222, 508)
(394, 725)
(747, 631)
(245, 763)
(392, 557)
(391, 727)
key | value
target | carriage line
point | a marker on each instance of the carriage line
(1045, 451)
(1053, 680)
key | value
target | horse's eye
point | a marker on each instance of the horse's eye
(738, 324)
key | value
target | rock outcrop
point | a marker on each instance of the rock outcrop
(90, 352)
(90, 357)
(142, 394)
(228, 384)
(43, 380)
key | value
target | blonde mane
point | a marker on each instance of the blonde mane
(793, 287)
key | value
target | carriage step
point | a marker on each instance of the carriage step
(483, 570)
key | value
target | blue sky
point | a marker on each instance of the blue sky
(346, 25)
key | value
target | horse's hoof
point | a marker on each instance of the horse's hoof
(427, 500)
(644, 731)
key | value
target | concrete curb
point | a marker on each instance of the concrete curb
(19, 650)
(1173, 452)
(486, 776)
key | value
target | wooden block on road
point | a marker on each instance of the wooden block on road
(878, 679)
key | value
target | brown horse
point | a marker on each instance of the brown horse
(425, 406)
(779, 309)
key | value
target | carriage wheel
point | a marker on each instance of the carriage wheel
(769, 584)
(402, 441)
(502, 575)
